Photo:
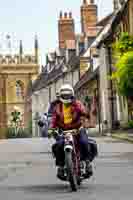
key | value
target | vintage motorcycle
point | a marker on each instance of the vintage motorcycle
(74, 168)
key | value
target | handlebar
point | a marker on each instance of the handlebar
(73, 132)
(55, 132)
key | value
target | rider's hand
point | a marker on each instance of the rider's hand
(50, 133)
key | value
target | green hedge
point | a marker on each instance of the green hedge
(22, 133)
(130, 124)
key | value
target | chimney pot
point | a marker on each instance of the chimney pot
(65, 14)
(70, 14)
(91, 2)
(85, 2)
(60, 14)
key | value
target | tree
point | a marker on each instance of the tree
(124, 74)
(123, 45)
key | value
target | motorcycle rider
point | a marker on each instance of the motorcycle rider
(52, 106)
(43, 124)
(66, 116)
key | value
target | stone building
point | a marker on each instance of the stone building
(115, 107)
(63, 65)
(16, 73)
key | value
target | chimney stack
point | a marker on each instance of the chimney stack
(89, 17)
(66, 29)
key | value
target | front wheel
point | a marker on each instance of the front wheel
(70, 170)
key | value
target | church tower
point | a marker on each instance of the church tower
(16, 73)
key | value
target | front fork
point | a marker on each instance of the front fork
(73, 145)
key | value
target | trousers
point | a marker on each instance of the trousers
(88, 150)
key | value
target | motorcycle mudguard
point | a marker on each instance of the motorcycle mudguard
(68, 142)
(68, 147)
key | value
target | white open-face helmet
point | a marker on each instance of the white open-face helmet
(66, 93)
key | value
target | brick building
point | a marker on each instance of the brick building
(66, 29)
(89, 18)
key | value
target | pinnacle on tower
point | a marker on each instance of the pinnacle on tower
(21, 48)
(36, 49)
(36, 42)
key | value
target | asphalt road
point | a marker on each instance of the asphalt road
(27, 172)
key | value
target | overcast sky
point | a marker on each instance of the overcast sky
(22, 19)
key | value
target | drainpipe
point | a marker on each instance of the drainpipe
(98, 101)
(50, 94)
(111, 87)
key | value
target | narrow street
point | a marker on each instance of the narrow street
(27, 172)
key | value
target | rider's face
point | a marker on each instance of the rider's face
(82, 120)
(86, 123)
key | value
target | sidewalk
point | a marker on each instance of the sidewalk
(123, 136)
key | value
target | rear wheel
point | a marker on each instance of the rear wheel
(71, 174)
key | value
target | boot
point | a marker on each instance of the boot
(89, 170)
(60, 173)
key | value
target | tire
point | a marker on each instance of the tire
(78, 181)
(71, 175)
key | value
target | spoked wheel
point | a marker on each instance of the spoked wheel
(71, 174)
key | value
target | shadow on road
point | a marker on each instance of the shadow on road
(63, 188)
(48, 188)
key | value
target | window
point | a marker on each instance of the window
(19, 89)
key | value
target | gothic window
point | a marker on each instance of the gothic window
(19, 89)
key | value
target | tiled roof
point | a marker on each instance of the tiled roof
(89, 75)
(44, 79)
(108, 30)
(74, 62)
(105, 20)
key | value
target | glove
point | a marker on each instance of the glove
(40, 123)
(50, 133)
